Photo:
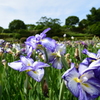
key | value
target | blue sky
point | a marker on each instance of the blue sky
(30, 11)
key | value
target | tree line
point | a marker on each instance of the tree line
(90, 25)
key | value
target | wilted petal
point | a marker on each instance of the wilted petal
(36, 75)
(16, 65)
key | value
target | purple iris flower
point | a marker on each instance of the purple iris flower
(60, 50)
(81, 83)
(55, 57)
(41, 40)
(91, 55)
(92, 62)
(33, 68)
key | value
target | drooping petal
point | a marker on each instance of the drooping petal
(83, 95)
(91, 89)
(90, 54)
(26, 61)
(36, 75)
(57, 63)
(61, 48)
(84, 65)
(37, 65)
(49, 43)
(94, 65)
(71, 76)
(95, 82)
(73, 87)
(16, 65)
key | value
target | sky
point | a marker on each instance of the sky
(30, 11)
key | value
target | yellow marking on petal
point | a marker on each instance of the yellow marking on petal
(28, 64)
(35, 72)
(85, 84)
(31, 70)
(28, 70)
(93, 60)
(77, 80)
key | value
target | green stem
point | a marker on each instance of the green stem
(61, 91)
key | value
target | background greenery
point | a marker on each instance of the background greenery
(87, 28)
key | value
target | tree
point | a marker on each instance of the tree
(1, 29)
(94, 29)
(16, 25)
(30, 26)
(94, 16)
(71, 20)
(83, 23)
(54, 24)
(48, 21)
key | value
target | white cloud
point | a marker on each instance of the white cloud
(30, 11)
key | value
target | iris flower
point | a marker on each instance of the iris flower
(55, 57)
(33, 68)
(41, 40)
(60, 50)
(82, 84)
(92, 62)
(91, 55)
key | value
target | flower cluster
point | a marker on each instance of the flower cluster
(46, 52)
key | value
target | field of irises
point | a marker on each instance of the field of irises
(42, 68)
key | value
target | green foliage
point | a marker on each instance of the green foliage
(83, 23)
(55, 38)
(71, 20)
(94, 29)
(48, 21)
(16, 25)
(94, 17)
(54, 24)
(1, 29)
(24, 33)
(7, 31)
(30, 27)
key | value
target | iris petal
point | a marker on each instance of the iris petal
(36, 65)
(36, 75)
(90, 89)
(49, 43)
(17, 65)
(90, 54)
(26, 61)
